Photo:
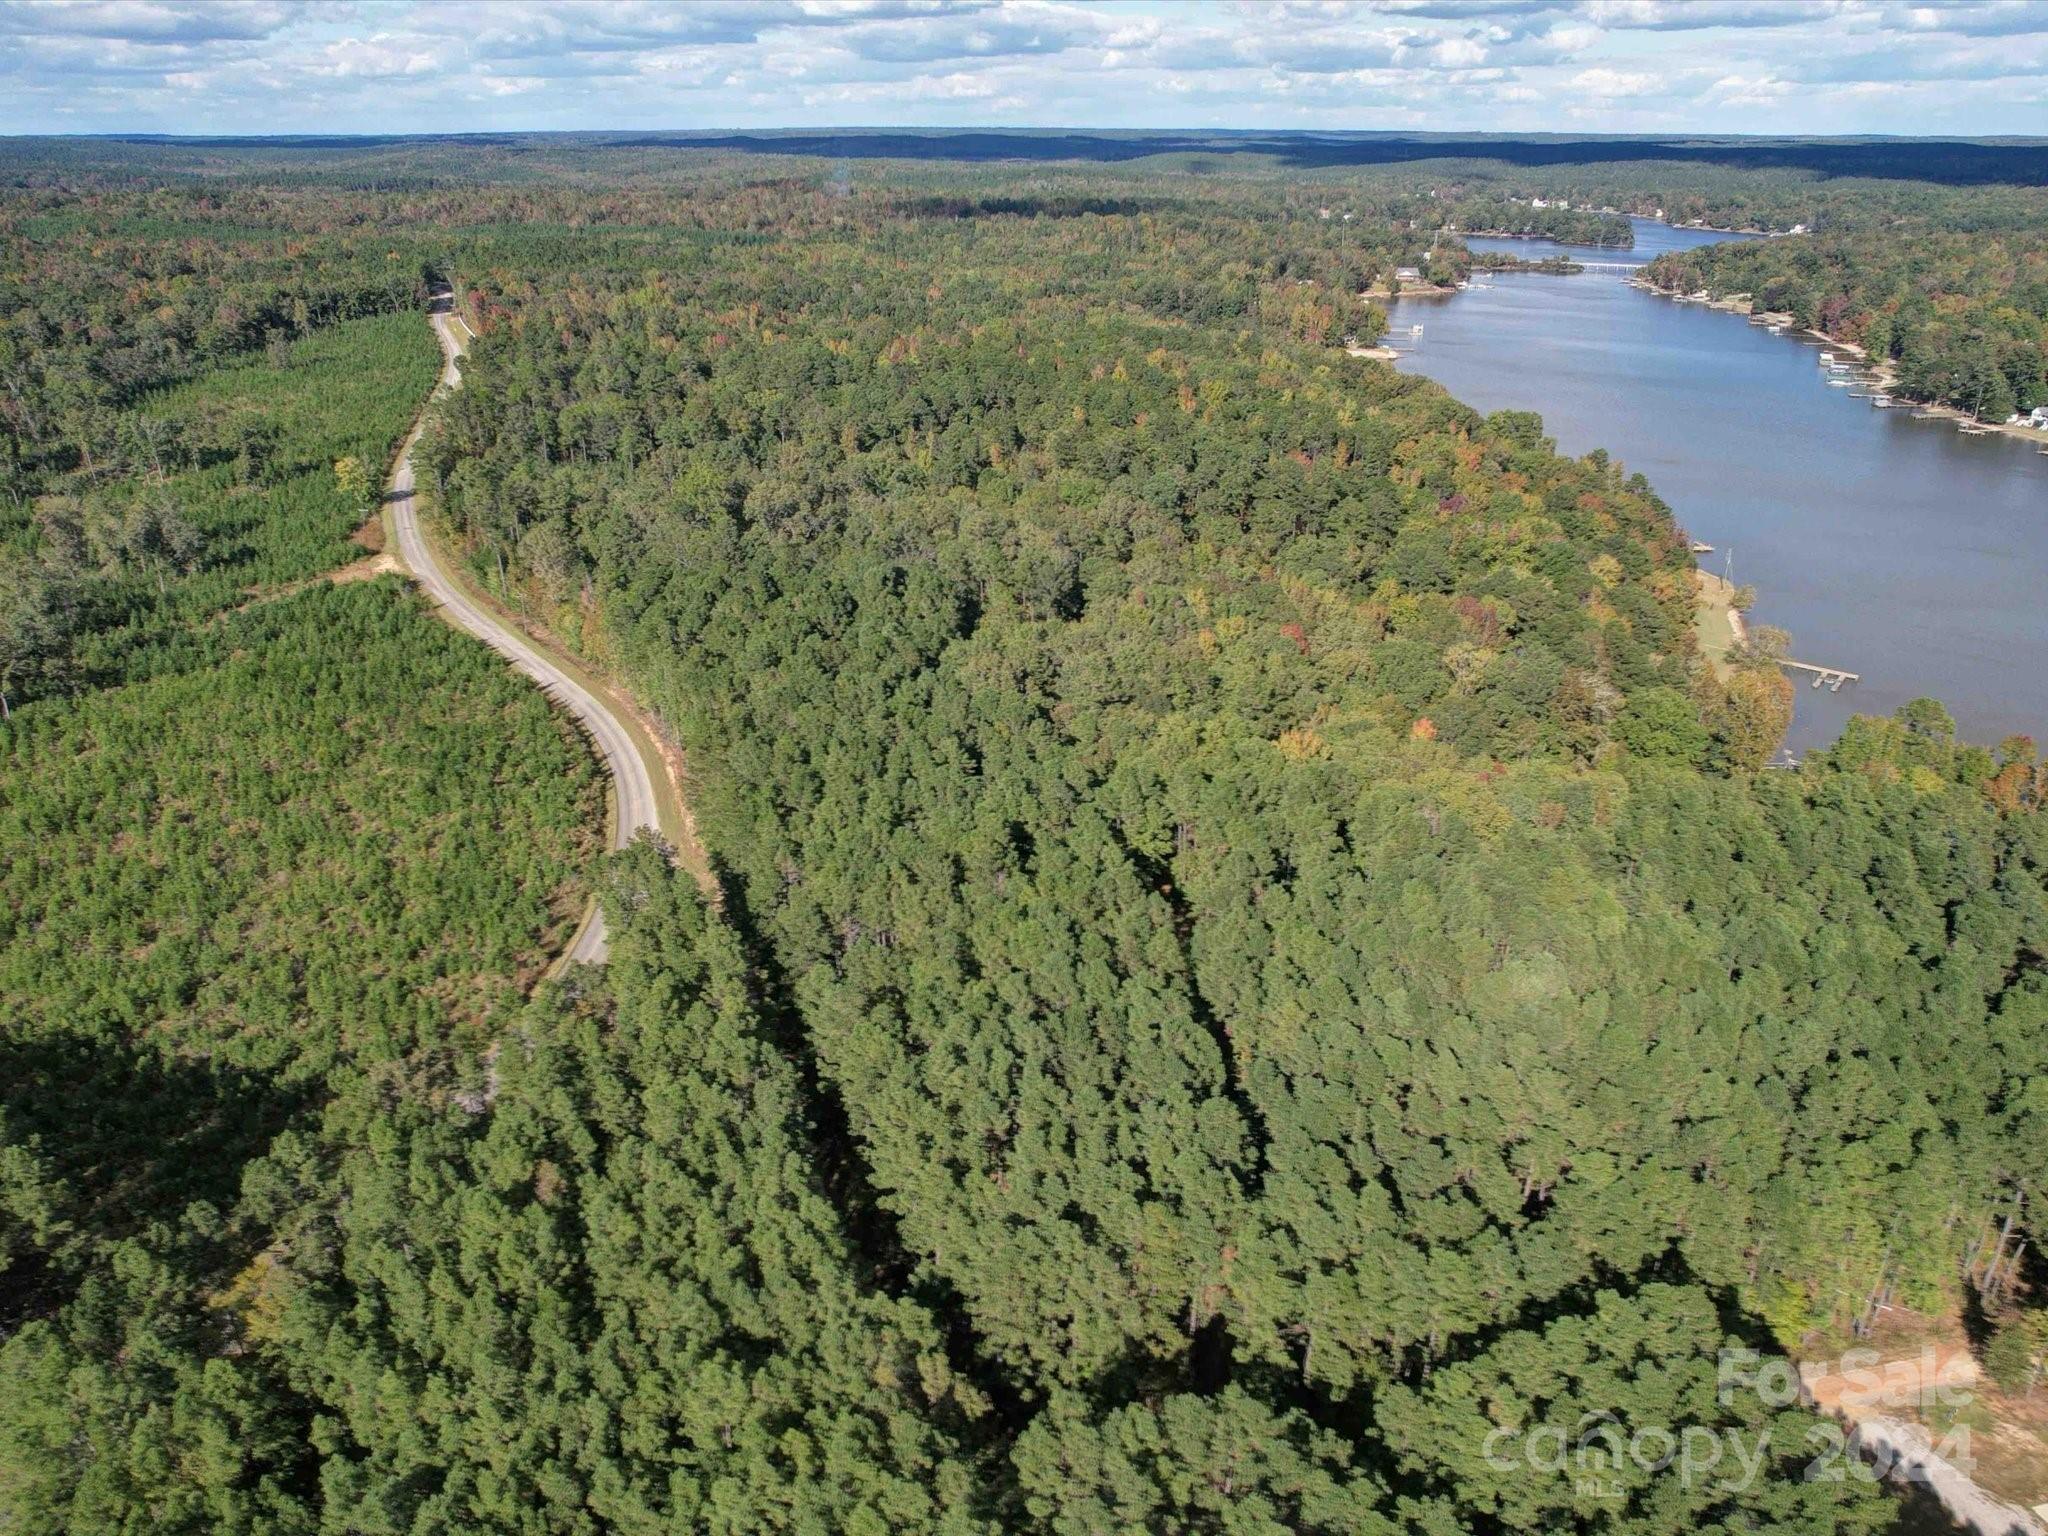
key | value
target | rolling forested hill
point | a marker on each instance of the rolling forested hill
(1255, 967)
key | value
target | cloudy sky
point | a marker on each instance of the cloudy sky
(375, 66)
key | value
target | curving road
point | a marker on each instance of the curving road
(633, 802)
(1906, 1453)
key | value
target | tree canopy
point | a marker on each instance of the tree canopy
(1254, 969)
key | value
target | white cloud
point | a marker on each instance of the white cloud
(1609, 84)
(1693, 15)
(1751, 90)
(1972, 18)
(375, 58)
(1973, 66)
(146, 21)
(1457, 53)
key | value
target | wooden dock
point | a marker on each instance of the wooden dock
(1834, 677)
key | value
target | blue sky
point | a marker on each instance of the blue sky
(380, 66)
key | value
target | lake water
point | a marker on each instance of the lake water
(1894, 548)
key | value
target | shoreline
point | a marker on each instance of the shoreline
(1516, 234)
(1509, 369)
(1885, 376)
(1416, 291)
(1882, 378)
(1717, 623)
(1549, 266)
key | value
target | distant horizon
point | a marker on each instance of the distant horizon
(2016, 140)
(1806, 68)
(1956, 159)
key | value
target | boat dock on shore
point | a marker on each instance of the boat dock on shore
(1834, 677)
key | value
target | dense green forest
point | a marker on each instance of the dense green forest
(264, 840)
(1486, 213)
(1252, 956)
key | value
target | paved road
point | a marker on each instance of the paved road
(632, 785)
(1907, 1452)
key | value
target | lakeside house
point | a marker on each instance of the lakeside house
(2037, 418)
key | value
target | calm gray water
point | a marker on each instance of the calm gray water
(1894, 548)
